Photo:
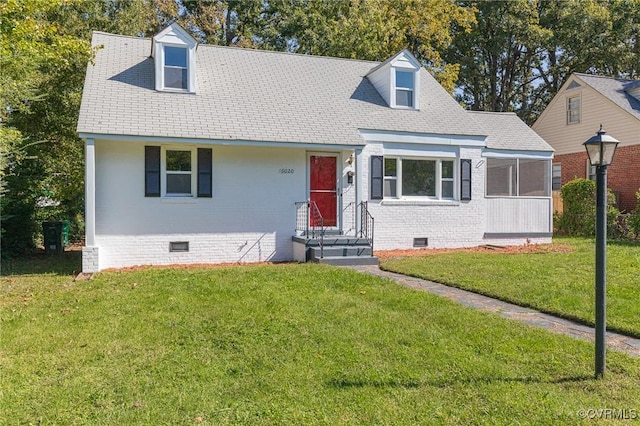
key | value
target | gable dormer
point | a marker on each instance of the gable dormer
(634, 89)
(174, 55)
(398, 81)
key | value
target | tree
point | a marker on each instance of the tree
(521, 52)
(369, 30)
(44, 51)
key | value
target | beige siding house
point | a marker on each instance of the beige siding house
(575, 114)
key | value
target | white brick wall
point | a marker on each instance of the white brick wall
(445, 224)
(90, 261)
(250, 218)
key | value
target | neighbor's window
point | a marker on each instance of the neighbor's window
(591, 171)
(405, 88)
(511, 177)
(175, 68)
(426, 178)
(556, 177)
(573, 110)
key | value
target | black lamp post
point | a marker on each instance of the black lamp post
(600, 149)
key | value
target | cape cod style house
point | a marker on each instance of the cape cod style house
(582, 104)
(209, 154)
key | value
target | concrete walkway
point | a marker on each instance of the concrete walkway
(614, 341)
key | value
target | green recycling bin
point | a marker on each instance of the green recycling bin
(66, 226)
(52, 234)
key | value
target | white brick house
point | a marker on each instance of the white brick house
(209, 154)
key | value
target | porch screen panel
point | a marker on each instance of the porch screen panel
(151, 171)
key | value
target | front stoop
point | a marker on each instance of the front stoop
(338, 250)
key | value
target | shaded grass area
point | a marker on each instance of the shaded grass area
(282, 344)
(560, 283)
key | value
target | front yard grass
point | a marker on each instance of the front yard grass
(282, 344)
(561, 283)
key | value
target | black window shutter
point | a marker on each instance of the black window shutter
(151, 171)
(205, 172)
(377, 177)
(465, 180)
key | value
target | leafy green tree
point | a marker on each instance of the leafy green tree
(368, 30)
(44, 51)
(520, 52)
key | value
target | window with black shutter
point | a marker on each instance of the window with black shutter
(465, 180)
(377, 177)
(151, 171)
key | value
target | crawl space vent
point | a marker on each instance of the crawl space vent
(421, 242)
(179, 246)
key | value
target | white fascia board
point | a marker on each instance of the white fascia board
(422, 138)
(413, 150)
(534, 155)
(225, 142)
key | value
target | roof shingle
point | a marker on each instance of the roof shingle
(245, 94)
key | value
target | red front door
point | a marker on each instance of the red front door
(323, 188)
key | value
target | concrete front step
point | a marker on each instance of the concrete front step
(333, 240)
(315, 252)
(349, 260)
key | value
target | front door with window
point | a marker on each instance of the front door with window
(323, 188)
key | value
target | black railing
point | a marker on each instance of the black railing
(309, 220)
(366, 224)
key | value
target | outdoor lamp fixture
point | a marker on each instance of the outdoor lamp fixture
(600, 149)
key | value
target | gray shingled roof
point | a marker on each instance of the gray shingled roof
(616, 90)
(255, 95)
(504, 128)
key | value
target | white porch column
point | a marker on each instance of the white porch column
(90, 193)
(90, 251)
(358, 183)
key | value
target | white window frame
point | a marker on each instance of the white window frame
(556, 167)
(439, 180)
(574, 114)
(163, 171)
(414, 91)
(160, 67)
(165, 66)
(591, 171)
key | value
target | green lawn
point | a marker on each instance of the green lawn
(554, 282)
(281, 344)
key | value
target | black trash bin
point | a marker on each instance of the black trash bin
(52, 233)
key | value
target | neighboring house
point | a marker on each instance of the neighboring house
(208, 154)
(575, 114)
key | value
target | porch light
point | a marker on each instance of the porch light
(600, 149)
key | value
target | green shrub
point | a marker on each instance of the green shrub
(634, 218)
(579, 215)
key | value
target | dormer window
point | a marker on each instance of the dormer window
(398, 81)
(176, 74)
(404, 88)
(174, 54)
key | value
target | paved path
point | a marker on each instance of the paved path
(614, 341)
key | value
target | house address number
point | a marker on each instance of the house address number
(285, 171)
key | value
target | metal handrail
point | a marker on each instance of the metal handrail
(366, 224)
(304, 211)
(317, 219)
